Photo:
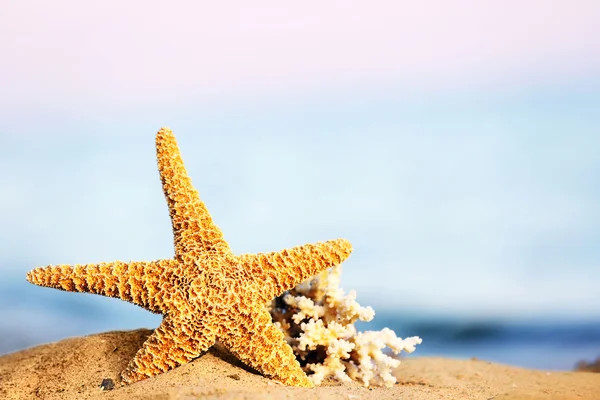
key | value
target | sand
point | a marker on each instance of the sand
(75, 368)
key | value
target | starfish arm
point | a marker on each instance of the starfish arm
(172, 344)
(285, 269)
(193, 228)
(136, 282)
(260, 344)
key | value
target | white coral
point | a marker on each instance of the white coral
(374, 366)
(317, 319)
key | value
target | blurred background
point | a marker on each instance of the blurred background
(456, 144)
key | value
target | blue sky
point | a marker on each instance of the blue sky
(462, 167)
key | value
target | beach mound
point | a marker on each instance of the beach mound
(77, 368)
(593, 366)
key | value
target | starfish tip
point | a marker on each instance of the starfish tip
(164, 133)
(343, 245)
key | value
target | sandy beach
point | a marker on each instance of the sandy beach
(75, 369)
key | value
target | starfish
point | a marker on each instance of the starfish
(205, 292)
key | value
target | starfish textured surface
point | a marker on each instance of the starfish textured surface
(205, 293)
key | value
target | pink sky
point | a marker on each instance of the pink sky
(130, 51)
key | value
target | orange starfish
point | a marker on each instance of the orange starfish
(206, 293)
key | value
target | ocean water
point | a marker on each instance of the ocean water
(30, 315)
(548, 344)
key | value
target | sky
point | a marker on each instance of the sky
(455, 145)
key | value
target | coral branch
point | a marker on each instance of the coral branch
(317, 319)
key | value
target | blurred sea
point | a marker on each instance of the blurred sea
(548, 344)
(30, 315)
